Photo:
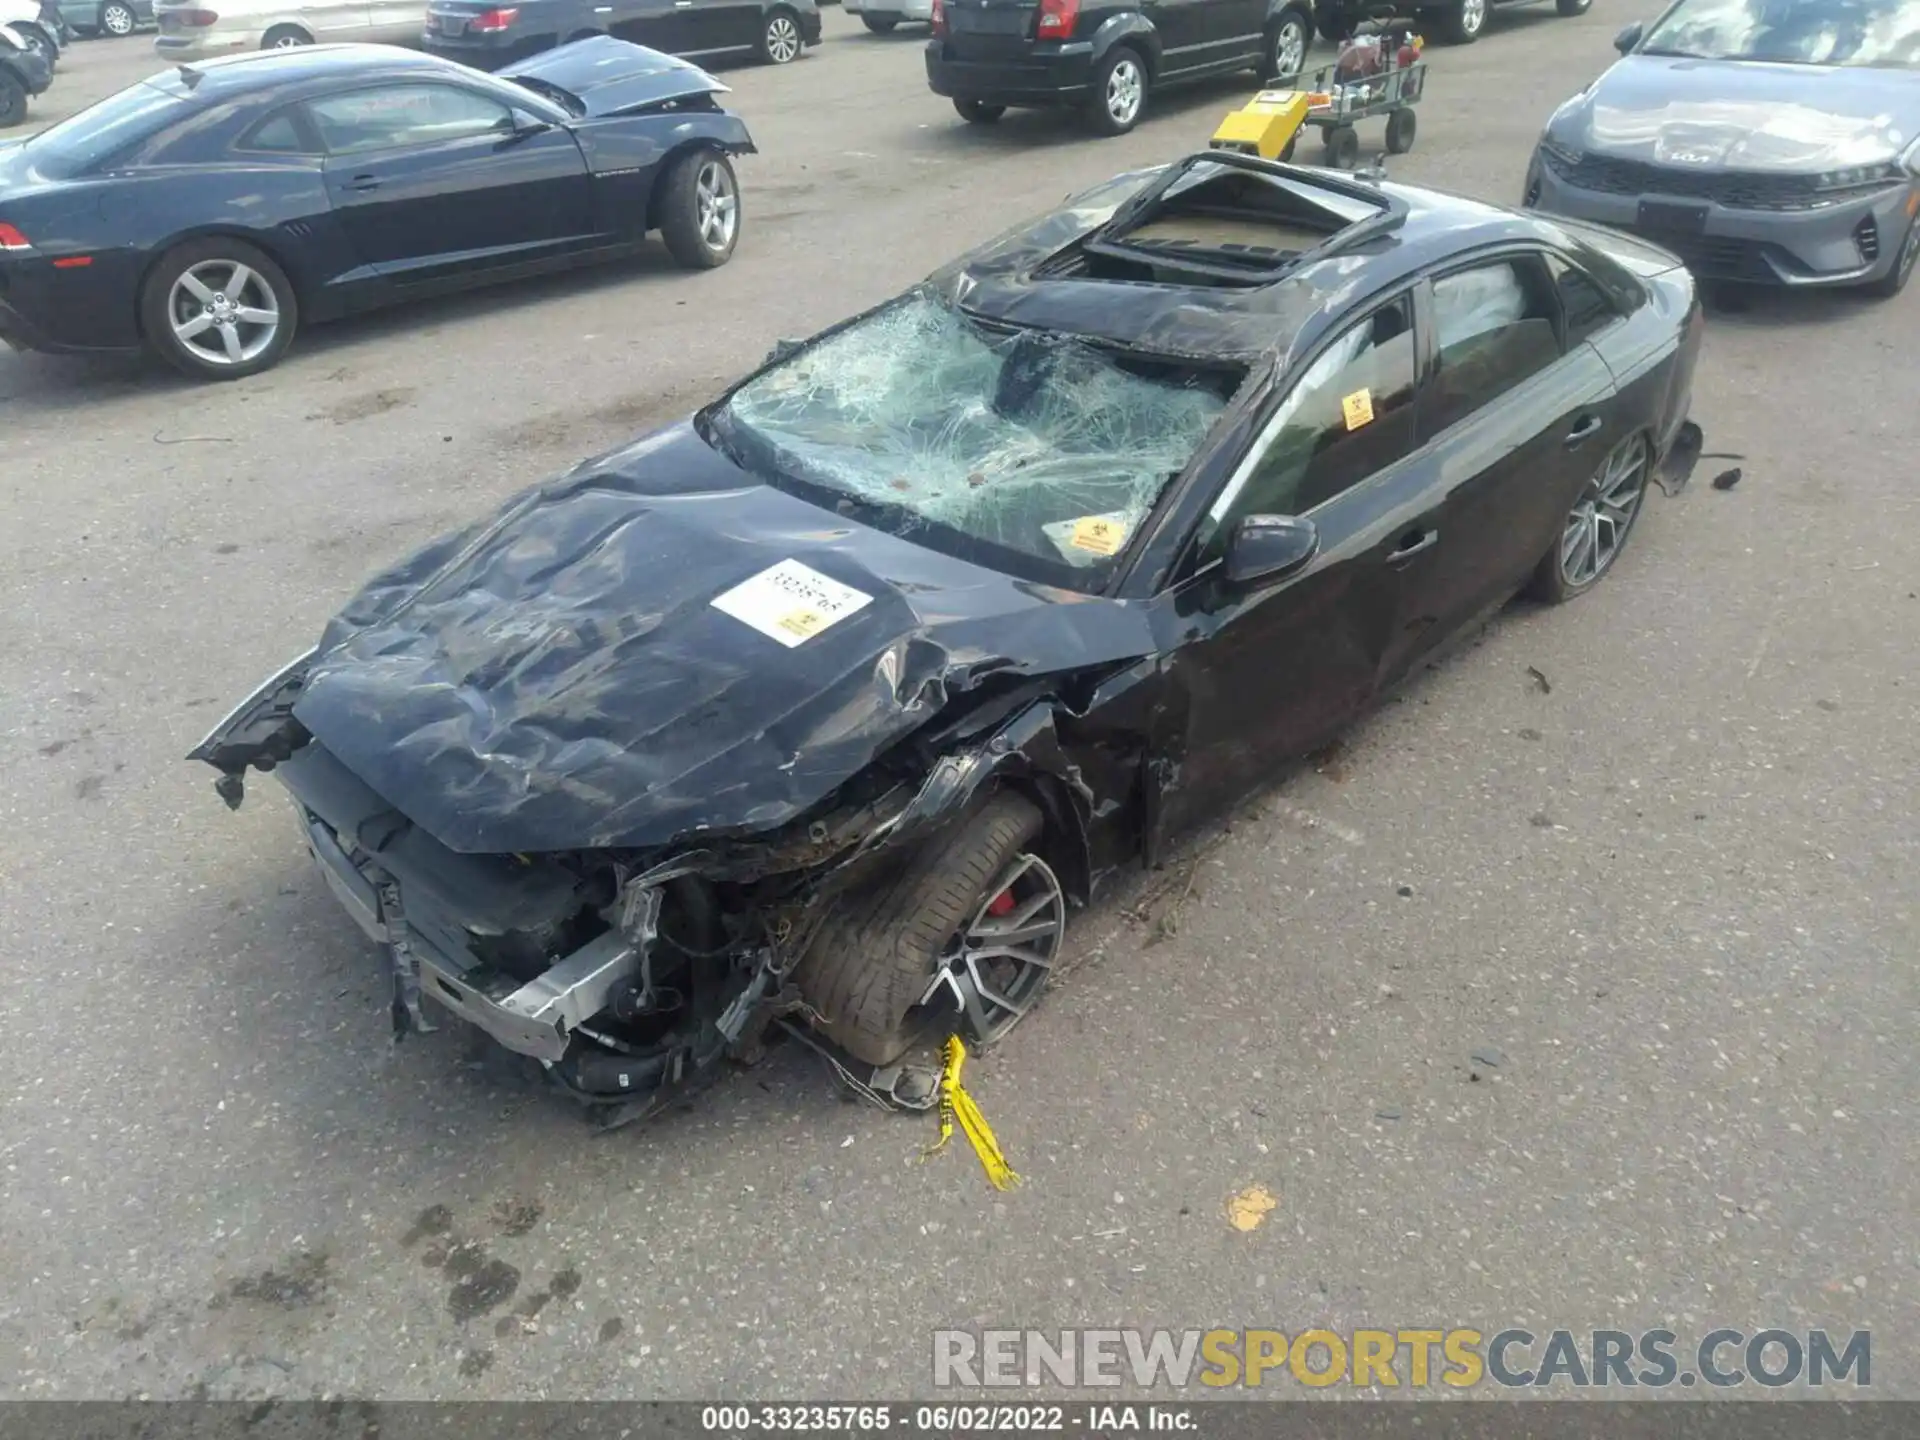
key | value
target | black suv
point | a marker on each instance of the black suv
(1104, 56)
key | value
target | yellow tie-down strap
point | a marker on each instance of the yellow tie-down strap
(1265, 125)
(957, 1105)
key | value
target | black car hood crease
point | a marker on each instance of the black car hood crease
(558, 677)
(608, 76)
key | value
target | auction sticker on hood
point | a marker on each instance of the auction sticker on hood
(791, 602)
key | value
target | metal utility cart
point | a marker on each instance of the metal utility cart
(1381, 71)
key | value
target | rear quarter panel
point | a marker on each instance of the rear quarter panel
(281, 207)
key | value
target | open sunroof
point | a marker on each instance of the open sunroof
(1219, 218)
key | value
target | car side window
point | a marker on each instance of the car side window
(1587, 309)
(277, 135)
(1349, 415)
(391, 117)
(1493, 329)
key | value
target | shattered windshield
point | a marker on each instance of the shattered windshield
(1792, 32)
(1036, 453)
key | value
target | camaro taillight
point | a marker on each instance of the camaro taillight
(1057, 17)
(12, 239)
(939, 17)
(493, 20)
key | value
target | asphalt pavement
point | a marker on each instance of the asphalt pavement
(1576, 988)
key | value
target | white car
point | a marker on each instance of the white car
(882, 15)
(24, 19)
(195, 28)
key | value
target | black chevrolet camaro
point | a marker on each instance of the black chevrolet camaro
(208, 212)
(834, 699)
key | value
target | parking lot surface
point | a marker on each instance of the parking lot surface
(1575, 988)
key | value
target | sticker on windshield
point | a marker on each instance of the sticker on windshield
(1358, 409)
(1101, 534)
(791, 603)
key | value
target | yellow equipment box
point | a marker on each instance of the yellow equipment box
(1266, 125)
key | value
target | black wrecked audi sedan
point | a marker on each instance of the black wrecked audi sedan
(209, 212)
(833, 700)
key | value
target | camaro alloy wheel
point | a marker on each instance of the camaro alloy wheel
(1597, 526)
(700, 210)
(218, 309)
(781, 42)
(117, 20)
(996, 967)
(223, 312)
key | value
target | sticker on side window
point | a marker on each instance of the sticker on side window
(1358, 409)
(791, 602)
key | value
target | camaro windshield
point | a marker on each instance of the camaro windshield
(1034, 452)
(1792, 32)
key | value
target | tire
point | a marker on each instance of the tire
(978, 112)
(1554, 580)
(1571, 8)
(1343, 147)
(779, 42)
(1285, 55)
(13, 101)
(285, 37)
(1121, 74)
(166, 298)
(878, 949)
(879, 24)
(1463, 22)
(700, 210)
(1333, 24)
(118, 19)
(1401, 128)
(1895, 280)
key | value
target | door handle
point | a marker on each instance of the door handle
(1584, 431)
(1411, 544)
(363, 182)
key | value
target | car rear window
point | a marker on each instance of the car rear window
(100, 132)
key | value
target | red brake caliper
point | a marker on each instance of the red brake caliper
(1001, 904)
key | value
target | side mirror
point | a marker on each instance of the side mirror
(522, 126)
(1269, 547)
(782, 349)
(1628, 38)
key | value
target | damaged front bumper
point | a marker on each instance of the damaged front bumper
(583, 963)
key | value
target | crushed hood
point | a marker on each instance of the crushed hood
(560, 678)
(1743, 115)
(611, 77)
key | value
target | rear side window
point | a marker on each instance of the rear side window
(1493, 329)
(277, 135)
(398, 116)
(1584, 303)
(1347, 417)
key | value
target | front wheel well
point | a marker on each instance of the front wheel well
(285, 28)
